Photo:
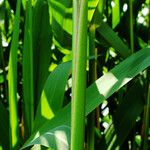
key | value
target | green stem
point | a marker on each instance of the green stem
(146, 115)
(90, 131)
(147, 105)
(131, 26)
(12, 83)
(92, 78)
(132, 51)
(95, 23)
(79, 74)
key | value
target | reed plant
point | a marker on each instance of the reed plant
(74, 74)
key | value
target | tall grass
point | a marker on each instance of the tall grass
(60, 61)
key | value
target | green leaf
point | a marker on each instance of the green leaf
(124, 117)
(55, 138)
(53, 94)
(98, 14)
(42, 40)
(102, 89)
(92, 4)
(113, 40)
(62, 118)
(115, 13)
(112, 81)
(28, 92)
(61, 12)
(12, 82)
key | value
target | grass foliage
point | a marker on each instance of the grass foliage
(74, 74)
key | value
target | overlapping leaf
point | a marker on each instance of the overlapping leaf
(103, 88)
(53, 93)
(124, 118)
(42, 40)
(56, 139)
(113, 40)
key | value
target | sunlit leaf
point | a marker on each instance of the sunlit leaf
(102, 89)
(53, 93)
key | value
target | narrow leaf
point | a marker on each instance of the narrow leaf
(56, 138)
(113, 40)
(53, 94)
(115, 13)
(12, 82)
(42, 40)
(125, 117)
(28, 93)
(102, 89)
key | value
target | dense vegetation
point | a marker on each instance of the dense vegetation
(54, 52)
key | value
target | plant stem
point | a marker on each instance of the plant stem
(147, 105)
(92, 78)
(146, 115)
(12, 83)
(131, 26)
(95, 23)
(132, 51)
(79, 73)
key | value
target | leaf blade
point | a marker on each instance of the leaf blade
(95, 96)
(28, 92)
(53, 93)
(12, 82)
